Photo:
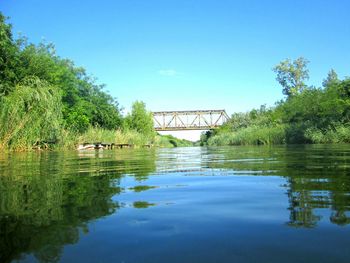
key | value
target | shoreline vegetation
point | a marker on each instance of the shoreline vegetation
(46, 99)
(308, 115)
(134, 138)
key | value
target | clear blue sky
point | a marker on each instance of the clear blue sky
(177, 55)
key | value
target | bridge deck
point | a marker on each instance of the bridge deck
(189, 120)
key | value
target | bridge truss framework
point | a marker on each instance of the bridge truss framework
(189, 120)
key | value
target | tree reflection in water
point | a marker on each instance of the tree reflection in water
(48, 199)
(317, 176)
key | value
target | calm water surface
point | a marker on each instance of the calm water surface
(234, 204)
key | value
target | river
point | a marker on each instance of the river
(196, 204)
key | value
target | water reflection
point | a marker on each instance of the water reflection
(49, 199)
(317, 176)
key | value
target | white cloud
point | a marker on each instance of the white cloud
(168, 72)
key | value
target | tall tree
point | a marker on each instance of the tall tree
(140, 119)
(8, 57)
(332, 78)
(292, 75)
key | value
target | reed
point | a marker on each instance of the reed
(31, 113)
(252, 135)
(70, 140)
(340, 133)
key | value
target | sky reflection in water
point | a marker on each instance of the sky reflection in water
(227, 204)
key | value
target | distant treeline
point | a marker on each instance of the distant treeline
(46, 98)
(307, 115)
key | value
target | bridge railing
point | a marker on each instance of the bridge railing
(189, 120)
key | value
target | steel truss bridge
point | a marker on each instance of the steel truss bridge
(189, 120)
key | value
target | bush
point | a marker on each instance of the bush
(253, 135)
(30, 114)
(339, 134)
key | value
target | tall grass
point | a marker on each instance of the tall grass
(255, 135)
(171, 141)
(162, 141)
(340, 133)
(252, 135)
(70, 140)
(31, 113)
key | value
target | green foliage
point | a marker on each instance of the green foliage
(8, 58)
(70, 139)
(31, 113)
(84, 102)
(44, 97)
(292, 75)
(162, 141)
(35, 78)
(171, 141)
(140, 120)
(308, 115)
(340, 133)
(252, 135)
(332, 79)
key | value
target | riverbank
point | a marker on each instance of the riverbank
(276, 135)
(46, 100)
(68, 140)
(308, 115)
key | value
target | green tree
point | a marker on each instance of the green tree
(332, 78)
(8, 58)
(343, 89)
(85, 103)
(140, 119)
(292, 75)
